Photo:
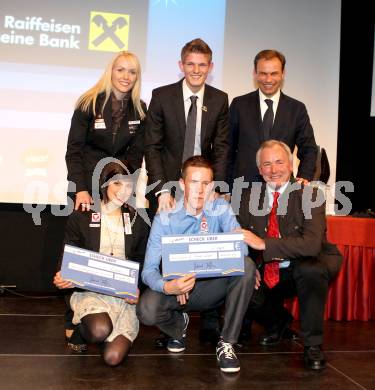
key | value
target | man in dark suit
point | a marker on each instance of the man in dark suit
(267, 113)
(168, 133)
(284, 225)
(184, 119)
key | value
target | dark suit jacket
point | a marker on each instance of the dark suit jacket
(291, 125)
(165, 133)
(301, 237)
(79, 233)
(87, 145)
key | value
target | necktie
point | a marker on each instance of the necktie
(191, 124)
(267, 120)
(271, 269)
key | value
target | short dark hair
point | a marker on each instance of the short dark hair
(268, 55)
(110, 170)
(198, 162)
(196, 46)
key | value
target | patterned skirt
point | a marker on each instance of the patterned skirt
(122, 314)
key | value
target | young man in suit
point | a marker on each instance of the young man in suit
(172, 134)
(184, 119)
(284, 225)
(268, 113)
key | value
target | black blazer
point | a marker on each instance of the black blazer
(291, 125)
(78, 232)
(87, 145)
(301, 237)
(165, 133)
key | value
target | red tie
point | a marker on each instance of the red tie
(271, 269)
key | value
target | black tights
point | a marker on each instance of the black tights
(95, 328)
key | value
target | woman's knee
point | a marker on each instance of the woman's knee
(113, 358)
(116, 351)
(96, 327)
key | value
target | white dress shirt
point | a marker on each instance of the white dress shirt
(263, 105)
(270, 190)
(187, 103)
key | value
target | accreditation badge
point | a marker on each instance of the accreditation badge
(133, 126)
(99, 123)
(204, 225)
(95, 220)
(95, 217)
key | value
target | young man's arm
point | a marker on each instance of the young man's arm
(151, 269)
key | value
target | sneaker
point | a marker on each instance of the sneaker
(176, 345)
(179, 345)
(226, 357)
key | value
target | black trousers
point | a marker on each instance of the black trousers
(306, 278)
(155, 308)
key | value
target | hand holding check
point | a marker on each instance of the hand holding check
(180, 286)
(61, 283)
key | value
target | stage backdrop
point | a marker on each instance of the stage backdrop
(51, 52)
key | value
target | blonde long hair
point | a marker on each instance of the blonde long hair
(104, 85)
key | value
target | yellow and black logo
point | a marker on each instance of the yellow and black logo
(108, 32)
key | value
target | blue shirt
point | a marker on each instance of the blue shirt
(220, 219)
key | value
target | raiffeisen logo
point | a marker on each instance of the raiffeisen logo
(108, 32)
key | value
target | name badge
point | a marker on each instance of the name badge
(99, 123)
(127, 223)
(204, 225)
(133, 126)
(95, 217)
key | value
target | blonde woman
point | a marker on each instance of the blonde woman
(107, 122)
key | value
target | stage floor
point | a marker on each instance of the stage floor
(33, 355)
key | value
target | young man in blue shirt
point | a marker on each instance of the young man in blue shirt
(165, 303)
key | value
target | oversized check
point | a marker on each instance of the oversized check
(100, 273)
(206, 255)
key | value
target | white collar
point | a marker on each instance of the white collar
(275, 98)
(186, 91)
(270, 190)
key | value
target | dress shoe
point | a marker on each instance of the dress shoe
(75, 342)
(269, 338)
(290, 334)
(314, 357)
(274, 336)
(161, 341)
(209, 336)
